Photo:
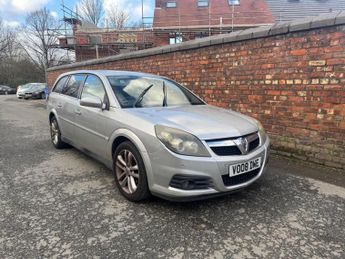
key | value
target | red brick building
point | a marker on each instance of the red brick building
(177, 21)
(174, 21)
(181, 20)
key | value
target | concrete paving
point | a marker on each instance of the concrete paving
(63, 204)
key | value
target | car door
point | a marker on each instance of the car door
(91, 122)
(55, 101)
(68, 104)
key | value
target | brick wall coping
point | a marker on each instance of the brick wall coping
(324, 20)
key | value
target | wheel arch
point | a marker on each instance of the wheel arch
(53, 113)
(121, 135)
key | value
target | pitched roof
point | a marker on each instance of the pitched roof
(287, 10)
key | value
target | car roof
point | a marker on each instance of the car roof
(110, 73)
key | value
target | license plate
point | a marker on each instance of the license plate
(244, 167)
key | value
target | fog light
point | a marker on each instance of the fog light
(189, 182)
(188, 185)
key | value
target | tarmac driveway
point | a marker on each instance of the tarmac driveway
(63, 204)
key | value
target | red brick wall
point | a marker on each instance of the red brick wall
(293, 83)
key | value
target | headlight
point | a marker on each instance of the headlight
(262, 132)
(181, 142)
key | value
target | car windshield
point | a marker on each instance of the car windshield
(25, 86)
(35, 87)
(137, 91)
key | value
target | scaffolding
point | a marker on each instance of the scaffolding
(87, 40)
(90, 41)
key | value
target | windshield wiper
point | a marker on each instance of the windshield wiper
(141, 96)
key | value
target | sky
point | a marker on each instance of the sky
(13, 12)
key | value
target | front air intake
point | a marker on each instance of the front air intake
(190, 182)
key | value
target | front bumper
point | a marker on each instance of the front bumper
(33, 95)
(166, 165)
(20, 95)
(28, 95)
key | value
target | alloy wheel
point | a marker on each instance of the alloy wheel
(54, 132)
(127, 171)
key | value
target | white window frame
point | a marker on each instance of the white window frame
(175, 38)
(202, 3)
(233, 2)
(171, 4)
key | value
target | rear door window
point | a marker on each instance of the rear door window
(73, 85)
(59, 86)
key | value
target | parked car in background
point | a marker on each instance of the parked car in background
(35, 91)
(7, 90)
(157, 136)
(21, 90)
(31, 90)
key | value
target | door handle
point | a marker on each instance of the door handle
(77, 112)
(59, 105)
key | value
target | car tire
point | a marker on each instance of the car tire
(55, 134)
(129, 172)
(43, 96)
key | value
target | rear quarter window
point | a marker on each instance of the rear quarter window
(60, 84)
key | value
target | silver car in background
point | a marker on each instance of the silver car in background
(157, 136)
(31, 90)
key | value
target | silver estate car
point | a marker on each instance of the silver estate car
(157, 136)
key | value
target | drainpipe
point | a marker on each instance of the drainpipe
(209, 19)
(232, 17)
(220, 25)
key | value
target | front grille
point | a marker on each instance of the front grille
(190, 182)
(254, 144)
(226, 151)
(227, 147)
(239, 179)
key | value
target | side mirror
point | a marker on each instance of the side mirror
(91, 101)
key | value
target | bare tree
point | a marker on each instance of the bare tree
(15, 66)
(91, 10)
(39, 39)
(116, 17)
(7, 39)
(3, 38)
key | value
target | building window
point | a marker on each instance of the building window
(202, 3)
(200, 35)
(175, 38)
(171, 4)
(234, 2)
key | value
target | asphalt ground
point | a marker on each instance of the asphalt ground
(63, 204)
